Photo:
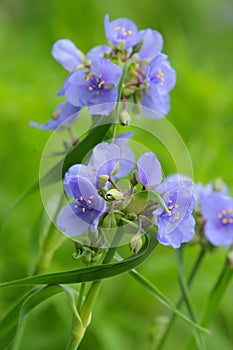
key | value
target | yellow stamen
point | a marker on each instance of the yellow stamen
(56, 114)
(76, 206)
(81, 198)
(87, 78)
(130, 32)
(177, 206)
(101, 83)
(220, 216)
(100, 75)
(91, 73)
(91, 197)
(224, 221)
(83, 210)
(117, 27)
(89, 201)
(170, 201)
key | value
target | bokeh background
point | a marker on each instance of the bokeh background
(198, 38)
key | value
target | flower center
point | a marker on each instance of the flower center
(226, 216)
(84, 204)
(96, 82)
(160, 76)
(122, 32)
(173, 210)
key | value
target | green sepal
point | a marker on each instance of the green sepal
(137, 203)
(140, 200)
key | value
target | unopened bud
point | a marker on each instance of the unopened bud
(116, 169)
(138, 47)
(135, 245)
(87, 257)
(103, 179)
(125, 118)
(137, 109)
(134, 178)
(113, 195)
(218, 184)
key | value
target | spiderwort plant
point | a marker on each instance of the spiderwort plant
(131, 69)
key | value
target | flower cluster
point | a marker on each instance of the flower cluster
(168, 205)
(94, 79)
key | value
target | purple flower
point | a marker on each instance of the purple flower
(77, 170)
(149, 169)
(160, 78)
(103, 161)
(152, 44)
(127, 158)
(121, 31)
(95, 88)
(217, 210)
(98, 51)
(66, 53)
(202, 191)
(64, 115)
(84, 212)
(177, 226)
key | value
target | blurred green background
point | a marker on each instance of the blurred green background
(198, 38)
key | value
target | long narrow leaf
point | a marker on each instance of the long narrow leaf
(10, 324)
(90, 273)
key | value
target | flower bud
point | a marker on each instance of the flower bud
(137, 109)
(116, 169)
(103, 179)
(125, 118)
(134, 178)
(127, 92)
(218, 184)
(135, 245)
(113, 194)
(138, 46)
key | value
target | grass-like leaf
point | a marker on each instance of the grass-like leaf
(90, 273)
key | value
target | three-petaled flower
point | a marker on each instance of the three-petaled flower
(84, 211)
(160, 79)
(217, 210)
(64, 115)
(121, 32)
(95, 87)
(176, 226)
(149, 170)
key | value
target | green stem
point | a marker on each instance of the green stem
(216, 295)
(80, 297)
(52, 241)
(79, 328)
(195, 268)
(49, 244)
(187, 299)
